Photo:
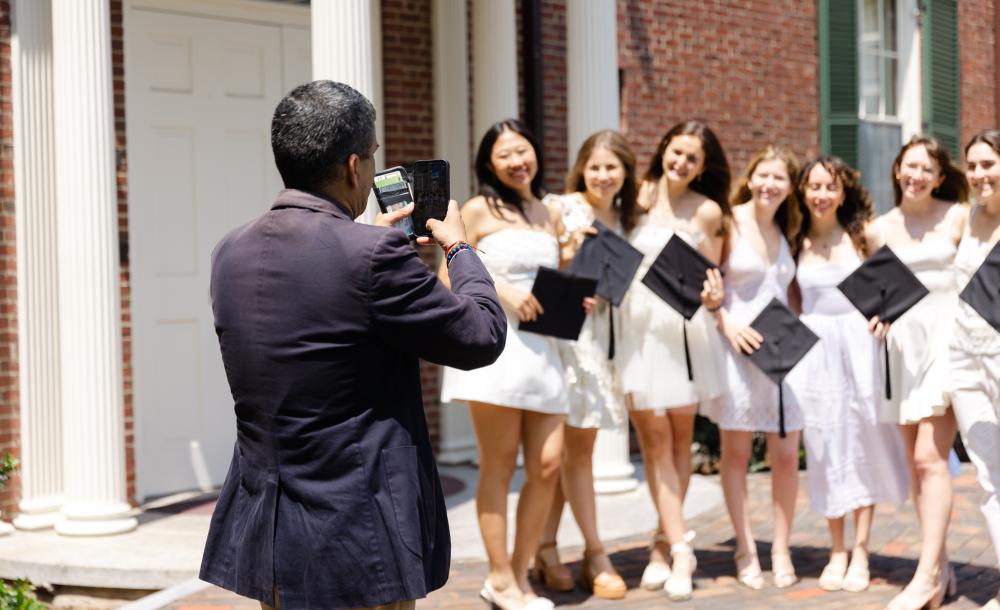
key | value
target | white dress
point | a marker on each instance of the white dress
(651, 349)
(528, 374)
(592, 382)
(918, 340)
(853, 459)
(750, 284)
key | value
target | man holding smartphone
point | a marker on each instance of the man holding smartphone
(332, 499)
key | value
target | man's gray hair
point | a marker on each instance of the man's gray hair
(316, 128)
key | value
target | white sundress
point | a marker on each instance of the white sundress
(651, 349)
(853, 460)
(528, 374)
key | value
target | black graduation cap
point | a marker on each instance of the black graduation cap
(677, 276)
(561, 296)
(786, 341)
(608, 257)
(982, 292)
(883, 286)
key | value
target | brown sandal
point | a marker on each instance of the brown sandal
(606, 585)
(556, 577)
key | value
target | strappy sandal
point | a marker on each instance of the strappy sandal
(750, 574)
(678, 586)
(833, 577)
(554, 576)
(605, 585)
(655, 576)
(783, 578)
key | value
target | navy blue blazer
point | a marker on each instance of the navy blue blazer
(333, 490)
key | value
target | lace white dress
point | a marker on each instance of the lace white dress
(651, 349)
(592, 382)
(750, 284)
(918, 340)
(853, 460)
(528, 374)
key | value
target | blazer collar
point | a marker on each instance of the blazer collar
(292, 198)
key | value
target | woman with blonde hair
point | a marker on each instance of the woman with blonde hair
(759, 267)
(600, 186)
(683, 193)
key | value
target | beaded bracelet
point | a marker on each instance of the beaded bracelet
(454, 249)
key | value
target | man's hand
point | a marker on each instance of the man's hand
(390, 218)
(448, 231)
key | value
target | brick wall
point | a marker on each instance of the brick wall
(408, 118)
(976, 19)
(554, 93)
(9, 422)
(121, 177)
(748, 68)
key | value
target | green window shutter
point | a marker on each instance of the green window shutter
(941, 72)
(838, 78)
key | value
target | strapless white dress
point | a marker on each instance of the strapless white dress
(651, 349)
(528, 374)
(853, 459)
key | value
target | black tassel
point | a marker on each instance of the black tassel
(611, 332)
(888, 384)
(781, 410)
(687, 354)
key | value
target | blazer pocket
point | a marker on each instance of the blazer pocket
(402, 477)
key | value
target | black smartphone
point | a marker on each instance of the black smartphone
(392, 191)
(431, 193)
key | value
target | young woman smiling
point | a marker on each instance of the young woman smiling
(924, 230)
(854, 461)
(975, 345)
(684, 193)
(759, 267)
(601, 186)
(521, 399)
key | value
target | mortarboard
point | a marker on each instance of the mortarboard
(786, 341)
(883, 286)
(982, 292)
(608, 257)
(561, 296)
(677, 276)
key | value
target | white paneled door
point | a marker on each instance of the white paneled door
(200, 92)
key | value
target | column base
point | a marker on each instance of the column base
(96, 520)
(6, 528)
(37, 521)
(109, 527)
(616, 481)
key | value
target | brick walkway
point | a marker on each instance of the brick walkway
(894, 549)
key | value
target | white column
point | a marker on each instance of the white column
(591, 69)
(89, 304)
(37, 266)
(451, 142)
(347, 48)
(495, 57)
(592, 100)
(910, 80)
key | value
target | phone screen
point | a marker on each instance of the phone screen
(431, 186)
(393, 193)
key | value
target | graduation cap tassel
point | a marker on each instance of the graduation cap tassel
(611, 332)
(888, 383)
(781, 410)
(687, 353)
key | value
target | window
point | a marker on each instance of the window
(879, 55)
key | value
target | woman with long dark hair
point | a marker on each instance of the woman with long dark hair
(923, 230)
(975, 345)
(759, 268)
(600, 186)
(683, 193)
(854, 461)
(520, 400)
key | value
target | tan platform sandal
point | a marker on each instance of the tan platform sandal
(606, 585)
(554, 576)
